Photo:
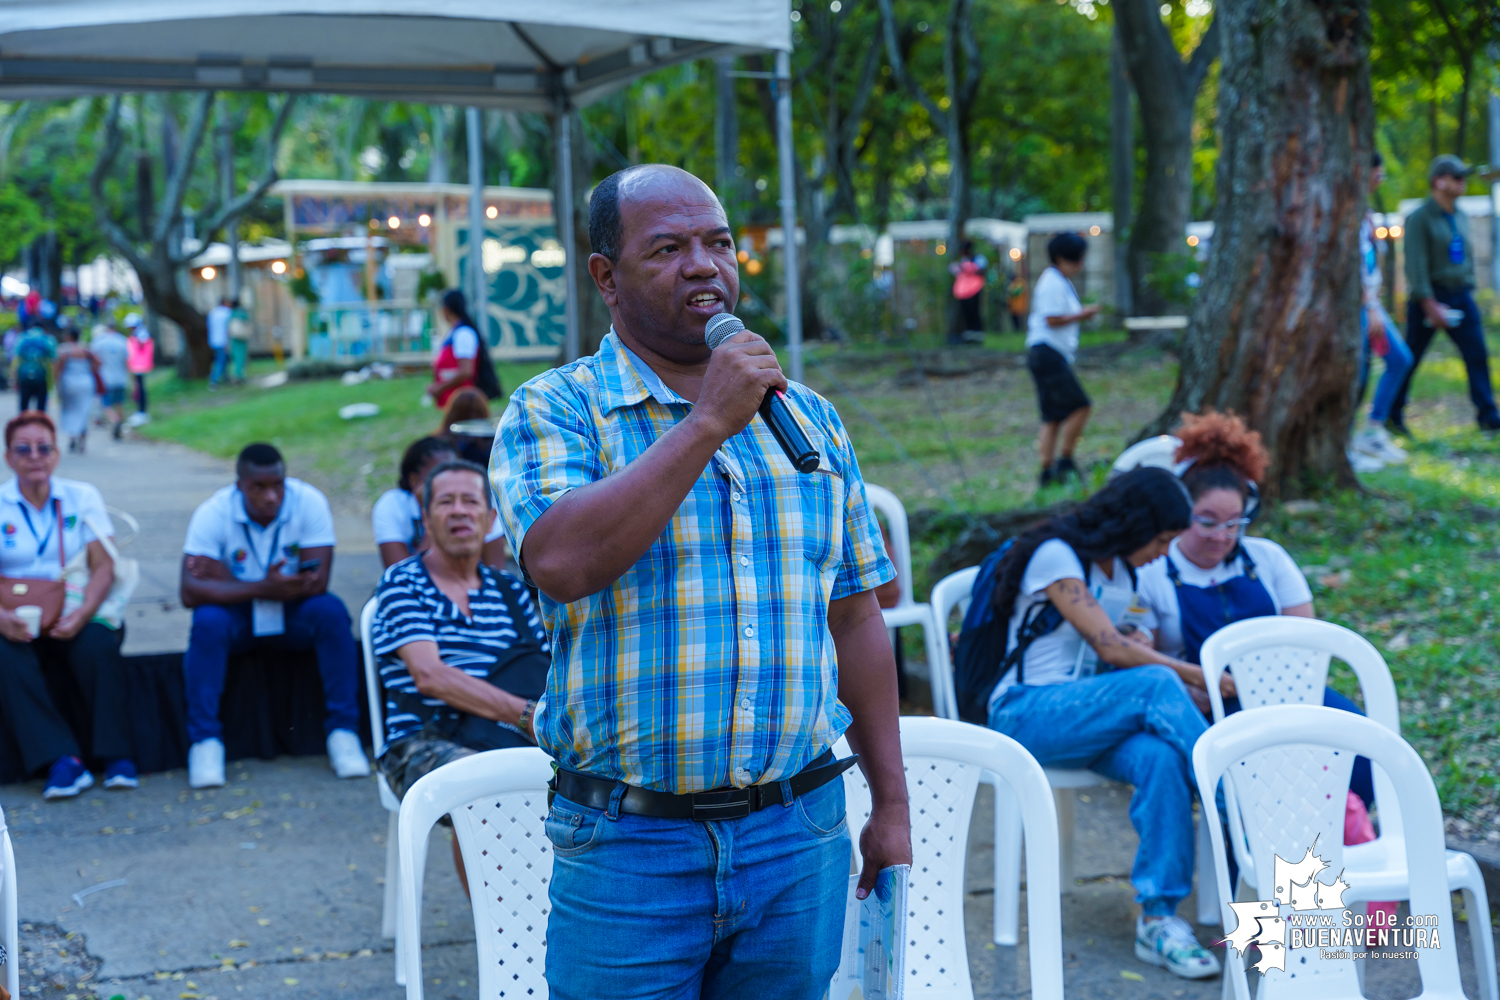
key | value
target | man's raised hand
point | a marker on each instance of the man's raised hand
(740, 373)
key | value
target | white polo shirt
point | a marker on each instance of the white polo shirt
(29, 537)
(397, 517)
(221, 529)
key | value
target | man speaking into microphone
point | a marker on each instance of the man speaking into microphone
(714, 631)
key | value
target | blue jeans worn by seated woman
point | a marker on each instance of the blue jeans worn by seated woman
(1135, 726)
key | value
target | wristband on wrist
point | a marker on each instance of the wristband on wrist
(525, 722)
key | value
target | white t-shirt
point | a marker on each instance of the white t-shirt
(113, 352)
(1273, 567)
(28, 537)
(465, 342)
(222, 530)
(398, 518)
(1054, 295)
(218, 326)
(1055, 658)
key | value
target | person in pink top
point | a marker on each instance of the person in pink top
(141, 358)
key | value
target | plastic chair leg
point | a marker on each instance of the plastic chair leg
(1208, 886)
(1008, 838)
(1481, 933)
(1065, 801)
(389, 918)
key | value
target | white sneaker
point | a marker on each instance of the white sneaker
(1376, 442)
(137, 418)
(1360, 462)
(206, 764)
(346, 755)
(1171, 944)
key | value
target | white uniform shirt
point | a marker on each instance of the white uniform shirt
(221, 529)
(1052, 658)
(28, 537)
(1054, 295)
(1273, 567)
(218, 326)
(398, 518)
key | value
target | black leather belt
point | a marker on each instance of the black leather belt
(718, 803)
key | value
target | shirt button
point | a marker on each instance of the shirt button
(744, 561)
(749, 631)
(745, 704)
(735, 496)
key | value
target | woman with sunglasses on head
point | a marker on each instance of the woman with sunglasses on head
(45, 521)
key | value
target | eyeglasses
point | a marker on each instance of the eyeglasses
(1208, 526)
(25, 450)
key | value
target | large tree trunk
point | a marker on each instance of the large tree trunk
(1275, 332)
(1122, 170)
(1166, 89)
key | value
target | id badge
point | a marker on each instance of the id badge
(267, 617)
(1456, 250)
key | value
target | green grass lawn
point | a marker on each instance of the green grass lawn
(1412, 563)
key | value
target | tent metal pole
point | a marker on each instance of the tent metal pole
(478, 297)
(567, 225)
(784, 156)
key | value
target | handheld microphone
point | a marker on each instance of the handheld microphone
(773, 409)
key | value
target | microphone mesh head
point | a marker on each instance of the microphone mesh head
(720, 328)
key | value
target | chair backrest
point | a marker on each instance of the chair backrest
(890, 507)
(498, 801)
(951, 592)
(1283, 660)
(944, 760)
(10, 943)
(1290, 769)
(374, 690)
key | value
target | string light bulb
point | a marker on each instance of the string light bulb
(492, 212)
(394, 222)
(424, 220)
(1192, 241)
(208, 273)
(278, 267)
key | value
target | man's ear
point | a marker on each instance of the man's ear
(602, 270)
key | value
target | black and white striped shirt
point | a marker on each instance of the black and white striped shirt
(411, 608)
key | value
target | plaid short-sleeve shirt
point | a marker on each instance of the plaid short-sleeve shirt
(709, 663)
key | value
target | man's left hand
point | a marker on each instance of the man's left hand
(885, 841)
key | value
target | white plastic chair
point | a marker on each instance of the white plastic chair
(10, 938)
(1290, 772)
(375, 691)
(907, 611)
(498, 801)
(945, 761)
(1283, 660)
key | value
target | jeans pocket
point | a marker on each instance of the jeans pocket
(822, 809)
(572, 829)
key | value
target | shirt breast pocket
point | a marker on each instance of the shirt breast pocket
(822, 497)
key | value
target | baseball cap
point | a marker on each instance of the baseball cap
(1450, 165)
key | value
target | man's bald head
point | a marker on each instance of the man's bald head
(606, 229)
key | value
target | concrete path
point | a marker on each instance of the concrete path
(272, 886)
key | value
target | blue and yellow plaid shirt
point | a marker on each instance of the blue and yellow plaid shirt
(709, 663)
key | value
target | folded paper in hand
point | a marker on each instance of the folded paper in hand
(873, 964)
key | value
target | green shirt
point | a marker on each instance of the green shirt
(33, 352)
(1429, 231)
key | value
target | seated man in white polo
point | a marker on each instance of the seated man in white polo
(255, 572)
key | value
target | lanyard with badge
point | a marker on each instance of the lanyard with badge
(1123, 608)
(1456, 243)
(55, 509)
(266, 617)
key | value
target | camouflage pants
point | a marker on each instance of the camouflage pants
(407, 760)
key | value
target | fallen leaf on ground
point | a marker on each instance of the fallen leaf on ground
(1134, 977)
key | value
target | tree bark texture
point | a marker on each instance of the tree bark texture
(1122, 170)
(1166, 88)
(1274, 334)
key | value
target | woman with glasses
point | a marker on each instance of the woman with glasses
(45, 521)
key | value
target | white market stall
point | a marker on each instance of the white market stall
(532, 55)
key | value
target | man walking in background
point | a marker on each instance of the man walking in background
(1439, 284)
(113, 351)
(714, 628)
(218, 339)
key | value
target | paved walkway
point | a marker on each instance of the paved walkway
(272, 886)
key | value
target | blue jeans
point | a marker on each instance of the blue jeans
(319, 623)
(1134, 726)
(676, 908)
(1398, 361)
(216, 375)
(1468, 337)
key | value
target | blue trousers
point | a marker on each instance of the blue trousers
(1468, 337)
(319, 623)
(1134, 726)
(677, 909)
(216, 375)
(1398, 363)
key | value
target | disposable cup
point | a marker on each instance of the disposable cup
(32, 616)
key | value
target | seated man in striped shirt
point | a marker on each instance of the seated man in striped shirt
(462, 652)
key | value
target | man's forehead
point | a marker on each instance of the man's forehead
(667, 199)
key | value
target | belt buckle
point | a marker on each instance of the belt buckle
(733, 803)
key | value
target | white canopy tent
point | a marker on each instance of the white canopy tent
(535, 55)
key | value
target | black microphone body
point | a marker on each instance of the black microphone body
(773, 409)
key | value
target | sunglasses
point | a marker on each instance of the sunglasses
(1208, 526)
(26, 451)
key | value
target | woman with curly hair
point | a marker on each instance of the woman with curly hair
(1214, 574)
(1134, 724)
